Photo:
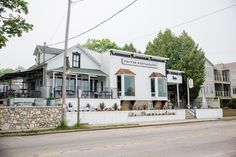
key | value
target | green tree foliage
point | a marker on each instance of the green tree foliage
(11, 22)
(6, 70)
(100, 45)
(129, 47)
(184, 54)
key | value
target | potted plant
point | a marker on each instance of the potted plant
(51, 101)
(102, 106)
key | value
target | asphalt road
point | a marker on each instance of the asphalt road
(204, 139)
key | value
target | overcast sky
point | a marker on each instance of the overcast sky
(215, 34)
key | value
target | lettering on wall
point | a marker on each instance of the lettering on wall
(136, 62)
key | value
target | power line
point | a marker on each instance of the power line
(62, 20)
(92, 28)
(183, 23)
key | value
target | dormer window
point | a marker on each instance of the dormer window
(76, 60)
(38, 58)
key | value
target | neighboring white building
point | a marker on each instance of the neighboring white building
(119, 75)
(220, 81)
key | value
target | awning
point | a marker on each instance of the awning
(92, 72)
(124, 72)
(155, 74)
(14, 75)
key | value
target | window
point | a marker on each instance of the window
(234, 90)
(101, 85)
(38, 58)
(76, 60)
(162, 91)
(129, 85)
(153, 86)
(119, 85)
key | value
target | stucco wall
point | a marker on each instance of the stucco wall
(142, 73)
(209, 113)
(118, 117)
(15, 118)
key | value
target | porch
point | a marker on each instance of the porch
(88, 83)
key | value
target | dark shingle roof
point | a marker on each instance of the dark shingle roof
(50, 50)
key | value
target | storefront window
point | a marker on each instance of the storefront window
(129, 85)
(162, 92)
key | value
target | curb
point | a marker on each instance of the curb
(97, 129)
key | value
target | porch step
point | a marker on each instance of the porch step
(189, 114)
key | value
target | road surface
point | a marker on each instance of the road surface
(204, 139)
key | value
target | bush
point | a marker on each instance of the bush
(63, 126)
(231, 105)
(102, 106)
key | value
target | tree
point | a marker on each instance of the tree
(11, 22)
(100, 45)
(184, 54)
(129, 47)
(6, 70)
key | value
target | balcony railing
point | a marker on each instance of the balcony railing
(223, 93)
(221, 78)
(22, 93)
(71, 92)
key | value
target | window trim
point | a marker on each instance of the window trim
(73, 59)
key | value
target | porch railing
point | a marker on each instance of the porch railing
(221, 77)
(98, 93)
(223, 93)
(20, 94)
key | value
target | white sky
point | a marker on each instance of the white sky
(215, 34)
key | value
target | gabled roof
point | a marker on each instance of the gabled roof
(93, 55)
(48, 50)
(155, 74)
(125, 72)
(209, 62)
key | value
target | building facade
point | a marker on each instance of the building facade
(220, 81)
(119, 76)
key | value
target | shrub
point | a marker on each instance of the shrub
(63, 126)
(115, 106)
(231, 105)
(102, 106)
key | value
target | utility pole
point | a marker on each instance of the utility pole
(64, 67)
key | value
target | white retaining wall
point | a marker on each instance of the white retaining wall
(209, 113)
(119, 117)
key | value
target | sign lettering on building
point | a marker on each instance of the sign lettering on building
(135, 62)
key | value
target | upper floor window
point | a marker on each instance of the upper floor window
(234, 90)
(76, 60)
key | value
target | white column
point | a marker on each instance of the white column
(177, 85)
(53, 82)
(89, 82)
(76, 84)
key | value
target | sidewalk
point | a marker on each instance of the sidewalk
(101, 127)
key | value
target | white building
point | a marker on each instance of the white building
(111, 77)
(220, 82)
